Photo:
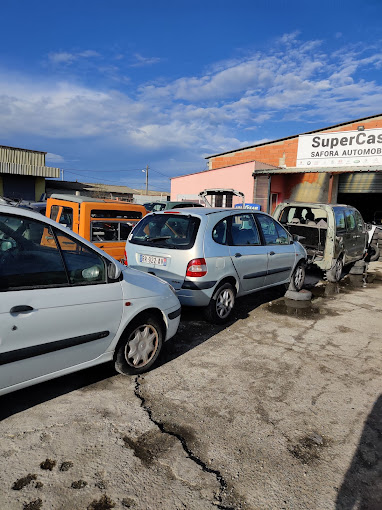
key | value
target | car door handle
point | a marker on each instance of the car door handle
(237, 255)
(21, 308)
(272, 253)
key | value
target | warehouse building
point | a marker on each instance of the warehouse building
(23, 173)
(336, 164)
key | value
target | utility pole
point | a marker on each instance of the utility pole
(147, 179)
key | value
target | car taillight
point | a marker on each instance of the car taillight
(196, 267)
(125, 262)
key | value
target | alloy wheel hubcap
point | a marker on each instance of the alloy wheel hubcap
(224, 303)
(338, 269)
(299, 277)
(141, 346)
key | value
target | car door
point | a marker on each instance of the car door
(56, 308)
(281, 254)
(361, 235)
(352, 236)
(248, 255)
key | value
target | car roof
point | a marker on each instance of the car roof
(311, 204)
(205, 211)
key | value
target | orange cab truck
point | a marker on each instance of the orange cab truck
(105, 223)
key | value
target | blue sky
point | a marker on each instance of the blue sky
(107, 87)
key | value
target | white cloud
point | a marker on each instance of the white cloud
(54, 158)
(209, 113)
(144, 61)
(67, 58)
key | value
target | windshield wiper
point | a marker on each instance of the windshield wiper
(159, 238)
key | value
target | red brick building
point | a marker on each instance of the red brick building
(340, 163)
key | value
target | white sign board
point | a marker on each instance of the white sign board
(343, 148)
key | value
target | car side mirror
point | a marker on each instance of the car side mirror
(297, 237)
(113, 271)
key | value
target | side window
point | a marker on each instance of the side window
(84, 265)
(219, 232)
(273, 232)
(340, 219)
(54, 212)
(29, 256)
(359, 221)
(110, 231)
(244, 231)
(350, 220)
(66, 217)
(283, 237)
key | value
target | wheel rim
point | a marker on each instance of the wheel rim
(141, 346)
(224, 303)
(338, 269)
(298, 277)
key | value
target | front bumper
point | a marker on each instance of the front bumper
(172, 321)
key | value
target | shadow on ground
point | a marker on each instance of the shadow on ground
(362, 484)
(193, 331)
(19, 401)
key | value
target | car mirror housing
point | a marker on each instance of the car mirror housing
(113, 271)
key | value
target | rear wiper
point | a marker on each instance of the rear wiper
(159, 238)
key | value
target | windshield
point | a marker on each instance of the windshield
(166, 231)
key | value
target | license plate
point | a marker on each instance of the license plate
(152, 259)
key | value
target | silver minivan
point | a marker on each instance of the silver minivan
(211, 256)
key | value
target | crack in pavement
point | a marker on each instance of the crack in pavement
(219, 477)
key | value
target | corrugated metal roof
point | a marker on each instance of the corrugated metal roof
(319, 170)
(36, 171)
(20, 149)
(295, 136)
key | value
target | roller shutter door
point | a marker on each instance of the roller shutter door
(365, 182)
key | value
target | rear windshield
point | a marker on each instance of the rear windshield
(303, 215)
(166, 231)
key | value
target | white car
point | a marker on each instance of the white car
(66, 305)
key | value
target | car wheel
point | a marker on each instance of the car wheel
(221, 304)
(374, 253)
(333, 275)
(140, 346)
(298, 278)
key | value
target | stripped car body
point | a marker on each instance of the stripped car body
(333, 235)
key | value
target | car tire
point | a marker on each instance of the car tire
(221, 304)
(374, 253)
(298, 277)
(140, 345)
(334, 274)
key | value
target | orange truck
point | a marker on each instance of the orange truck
(105, 223)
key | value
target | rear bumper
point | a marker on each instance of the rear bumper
(199, 297)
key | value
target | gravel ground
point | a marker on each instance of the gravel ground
(280, 409)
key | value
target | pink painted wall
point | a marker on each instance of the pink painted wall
(238, 177)
(278, 186)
